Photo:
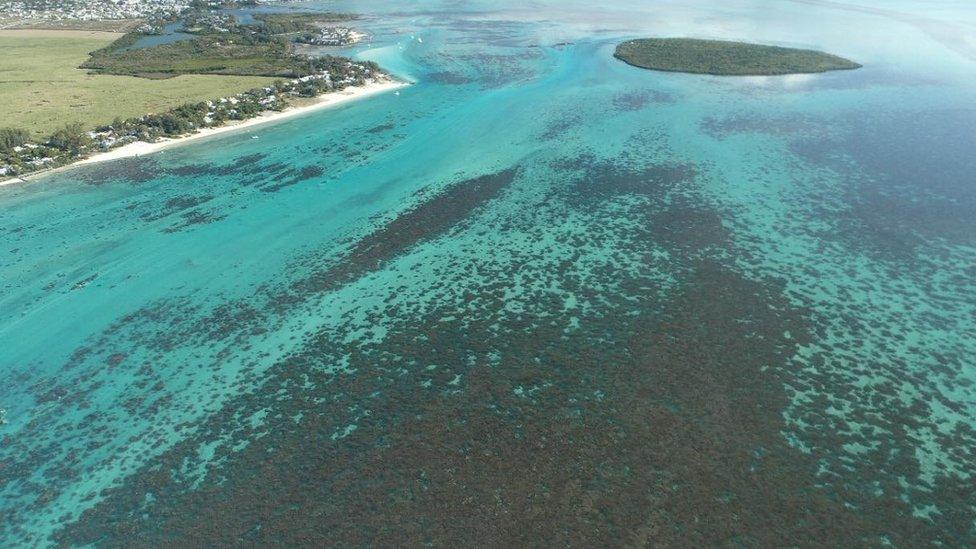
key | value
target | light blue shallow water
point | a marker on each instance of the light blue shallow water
(536, 235)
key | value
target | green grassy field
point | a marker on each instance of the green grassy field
(42, 88)
(725, 58)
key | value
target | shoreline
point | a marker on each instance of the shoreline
(140, 148)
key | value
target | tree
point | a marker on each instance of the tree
(13, 137)
(70, 138)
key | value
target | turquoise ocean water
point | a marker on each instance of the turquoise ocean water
(539, 295)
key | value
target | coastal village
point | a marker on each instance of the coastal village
(83, 10)
(28, 157)
(331, 36)
(18, 11)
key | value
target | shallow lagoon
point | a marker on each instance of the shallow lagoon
(538, 295)
(170, 33)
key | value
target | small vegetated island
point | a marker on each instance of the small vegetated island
(726, 58)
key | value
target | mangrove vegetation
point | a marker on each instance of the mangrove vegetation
(724, 58)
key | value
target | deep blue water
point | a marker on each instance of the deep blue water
(537, 297)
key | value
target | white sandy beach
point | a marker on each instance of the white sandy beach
(140, 148)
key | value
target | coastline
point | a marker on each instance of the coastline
(140, 148)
